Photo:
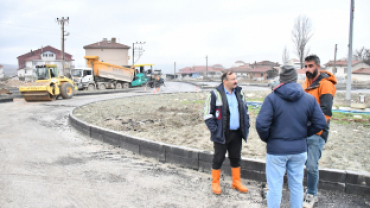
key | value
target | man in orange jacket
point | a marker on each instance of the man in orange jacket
(320, 84)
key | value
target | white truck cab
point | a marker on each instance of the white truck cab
(82, 77)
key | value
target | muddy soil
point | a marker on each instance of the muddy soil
(178, 119)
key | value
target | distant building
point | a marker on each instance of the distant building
(196, 71)
(264, 64)
(341, 67)
(362, 74)
(2, 75)
(263, 73)
(295, 62)
(46, 55)
(109, 51)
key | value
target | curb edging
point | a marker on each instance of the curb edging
(348, 182)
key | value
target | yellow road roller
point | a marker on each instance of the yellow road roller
(48, 85)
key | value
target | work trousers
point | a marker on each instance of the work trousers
(233, 145)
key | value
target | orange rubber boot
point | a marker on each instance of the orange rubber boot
(237, 184)
(216, 188)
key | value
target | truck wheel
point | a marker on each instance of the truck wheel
(67, 90)
(126, 85)
(101, 87)
(91, 87)
(118, 86)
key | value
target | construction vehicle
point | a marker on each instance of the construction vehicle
(155, 79)
(48, 85)
(101, 75)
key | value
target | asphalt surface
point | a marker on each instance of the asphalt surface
(47, 163)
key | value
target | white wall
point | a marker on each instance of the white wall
(113, 56)
(360, 77)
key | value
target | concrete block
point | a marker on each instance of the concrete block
(96, 133)
(182, 151)
(205, 166)
(226, 169)
(358, 178)
(332, 186)
(191, 163)
(205, 156)
(113, 138)
(250, 164)
(253, 175)
(153, 149)
(357, 189)
(130, 145)
(332, 175)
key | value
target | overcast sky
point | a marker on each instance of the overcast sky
(182, 31)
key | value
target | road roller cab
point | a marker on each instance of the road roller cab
(48, 85)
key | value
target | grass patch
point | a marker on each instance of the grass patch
(340, 115)
(253, 110)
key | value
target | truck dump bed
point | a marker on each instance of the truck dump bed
(110, 71)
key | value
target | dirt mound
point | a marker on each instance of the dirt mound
(4, 91)
(178, 119)
(12, 83)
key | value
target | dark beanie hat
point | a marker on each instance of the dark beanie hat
(288, 74)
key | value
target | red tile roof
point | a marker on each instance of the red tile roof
(365, 71)
(341, 63)
(1, 66)
(36, 55)
(239, 61)
(197, 69)
(105, 44)
(259, 69)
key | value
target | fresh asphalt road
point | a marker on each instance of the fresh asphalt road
(47, 163)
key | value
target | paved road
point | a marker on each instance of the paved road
(46, 163)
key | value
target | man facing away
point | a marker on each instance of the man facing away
(287, 116)
(226, 116)
(320, 84)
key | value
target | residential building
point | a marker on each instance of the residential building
(296, 63)
(109, 51)
(196, 71)
(45, 55)
(262, 73)
(264, 64)
(362, 74)
(2, 74)
(341, 67)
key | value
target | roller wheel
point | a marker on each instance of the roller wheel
(67, 90)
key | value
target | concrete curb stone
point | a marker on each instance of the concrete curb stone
(330, 179)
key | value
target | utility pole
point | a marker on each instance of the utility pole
(335, 60)
(349, 66)
(63, 21)
(207, 66)
(140, 50)
(174, 70)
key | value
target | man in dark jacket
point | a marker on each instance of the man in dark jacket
(288, 115)
(226, 116)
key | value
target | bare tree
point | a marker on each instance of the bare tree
(362, 54)
(302, 33)
(285, 56)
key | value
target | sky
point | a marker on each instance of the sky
(183, 31)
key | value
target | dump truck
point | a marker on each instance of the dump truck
(101, 75)
(48, 85)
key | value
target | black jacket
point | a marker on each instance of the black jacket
(217, 115)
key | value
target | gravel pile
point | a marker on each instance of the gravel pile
(178, 119)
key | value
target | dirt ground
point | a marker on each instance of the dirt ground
(178, 119)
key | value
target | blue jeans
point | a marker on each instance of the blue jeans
(315, 144)
(276, 166)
